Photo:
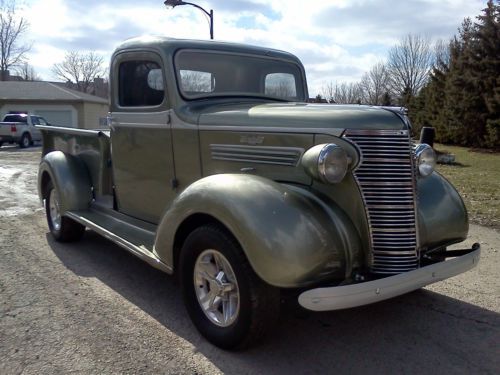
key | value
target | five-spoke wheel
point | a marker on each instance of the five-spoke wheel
(216, 288)
(228, 303)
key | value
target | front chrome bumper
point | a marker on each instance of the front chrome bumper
(343, 297)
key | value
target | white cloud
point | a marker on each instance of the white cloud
(44, 56)
(336, 39)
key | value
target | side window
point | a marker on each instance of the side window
(140, 84)
(34, 120)
(42, 121)
(281, 85)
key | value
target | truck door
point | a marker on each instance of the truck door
(36, 135)
(141, 139)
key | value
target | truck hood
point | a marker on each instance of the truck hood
(305, 116)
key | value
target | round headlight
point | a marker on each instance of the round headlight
(426, 159)
(332, 163)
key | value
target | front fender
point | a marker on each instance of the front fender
(70, 178)
(290, 238)
(442, 215)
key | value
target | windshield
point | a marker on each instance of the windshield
(204, 74)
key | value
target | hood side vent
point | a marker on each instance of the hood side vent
(286, 156)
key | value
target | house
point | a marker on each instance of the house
(98, 87)
(58, 105)
(317, 99)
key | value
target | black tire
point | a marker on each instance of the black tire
(259, 302)
(67, 230)
(25, 141)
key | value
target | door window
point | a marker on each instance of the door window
(140, 84)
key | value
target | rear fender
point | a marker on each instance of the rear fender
(290, 238)
(70, 178)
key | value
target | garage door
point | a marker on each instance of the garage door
(58, 118)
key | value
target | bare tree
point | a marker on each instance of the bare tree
(80, 69)
(374, 84)
(12, 29)
(409, 64)
(27, 72)
(441, 55)
(343, 93)
(328, 91)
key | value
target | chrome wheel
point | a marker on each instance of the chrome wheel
(216, 288)
(54, 211)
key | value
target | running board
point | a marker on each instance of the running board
(136, 239)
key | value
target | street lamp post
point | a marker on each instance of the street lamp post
(174, 3)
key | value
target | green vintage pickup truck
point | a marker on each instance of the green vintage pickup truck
(214, 167)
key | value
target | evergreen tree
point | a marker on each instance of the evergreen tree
(462, 96)
(485, 71)
(417, 111)
(435, 97)
(460, 93)
(427, 108)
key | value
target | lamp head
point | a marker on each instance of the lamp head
(173, 3)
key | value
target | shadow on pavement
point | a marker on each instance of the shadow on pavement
(419, 332)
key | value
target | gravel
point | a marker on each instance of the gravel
(90, 307)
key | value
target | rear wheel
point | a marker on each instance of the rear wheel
(62, 228)
(228, 303)
(25, 141)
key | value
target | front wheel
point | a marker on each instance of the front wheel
(62, 228)
(228, 303)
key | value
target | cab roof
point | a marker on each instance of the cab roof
(169, 46)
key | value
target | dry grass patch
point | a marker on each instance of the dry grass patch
(476, 175)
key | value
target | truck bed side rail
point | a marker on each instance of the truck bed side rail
(90, 146)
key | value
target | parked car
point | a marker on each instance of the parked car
(216, 169)
(20, 128)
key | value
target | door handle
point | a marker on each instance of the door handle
(110, 121)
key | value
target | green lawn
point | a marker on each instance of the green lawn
(477, 177)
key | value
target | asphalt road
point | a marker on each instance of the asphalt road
(91, 307)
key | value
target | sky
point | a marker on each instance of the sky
(337, 40)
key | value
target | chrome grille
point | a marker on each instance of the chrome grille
(386, 179)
